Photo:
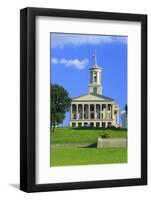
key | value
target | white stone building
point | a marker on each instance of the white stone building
(93, 109)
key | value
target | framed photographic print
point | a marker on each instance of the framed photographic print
(83, 99)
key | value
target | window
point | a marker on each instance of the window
(109, 124)
(79, 124)
(103, 124)
(91, 124)
(85, 115)
(74, 115)
(73, 124)
(102, 116)
(92, 115)
(95, 77)
(97, 124)
(85, 124)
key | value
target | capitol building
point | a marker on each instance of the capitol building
(93, 109)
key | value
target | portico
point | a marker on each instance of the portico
(93, 114)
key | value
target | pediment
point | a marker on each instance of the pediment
(92, 97)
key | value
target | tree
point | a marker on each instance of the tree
(126, 109)
(60, 103)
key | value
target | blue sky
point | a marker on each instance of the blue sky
(71, 58)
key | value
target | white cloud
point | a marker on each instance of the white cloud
(59, 40)
(54, 61)
(75, 63)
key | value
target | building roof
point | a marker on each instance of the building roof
(92, 97)
(95, 67)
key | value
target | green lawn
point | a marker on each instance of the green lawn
(63, 156)
(84, 156)
(83, 135)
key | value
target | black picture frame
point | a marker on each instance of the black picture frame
(28, 99)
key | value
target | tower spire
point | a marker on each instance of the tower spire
(94, 57)
(95, 85)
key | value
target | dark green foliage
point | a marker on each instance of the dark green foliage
(126, 109)
(105, 135)
(60, 103)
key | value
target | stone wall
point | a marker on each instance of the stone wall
(111, 142)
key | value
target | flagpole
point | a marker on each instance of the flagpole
(95, 58)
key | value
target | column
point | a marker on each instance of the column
(106, 105)
(109, 111)
(88, 111)
(71, 115)
(117, 117)
(94, 111)
(112, 112)
(83, 111)
(105, 124)
(76, 111)
(104, 111)
(100, 111)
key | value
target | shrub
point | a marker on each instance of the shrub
(105, 135)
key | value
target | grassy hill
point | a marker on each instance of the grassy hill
(74, 155)
(83, 135)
